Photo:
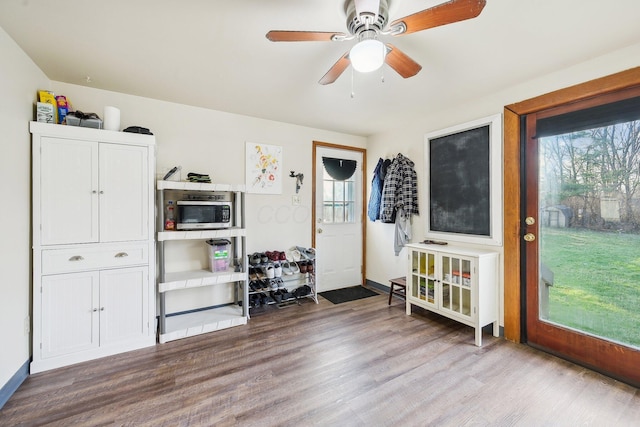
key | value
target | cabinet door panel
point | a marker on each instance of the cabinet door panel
(124, 308)
(69, 322)
(422, 278)
(124, 193)
(69, 184)
(456, 285)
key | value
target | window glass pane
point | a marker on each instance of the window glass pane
(339, 212)
(589, 218)
(327, 195)
(339, 190)
(350, 212)
(328, 212)
(349, 191)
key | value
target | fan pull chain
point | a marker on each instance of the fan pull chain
(353, 93)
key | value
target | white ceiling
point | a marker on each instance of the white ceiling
(214, 54)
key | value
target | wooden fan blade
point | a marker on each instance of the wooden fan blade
(335, 71)
(302, 36)
(401, 63)
(445, 13)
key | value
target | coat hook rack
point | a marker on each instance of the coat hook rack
(299, 177)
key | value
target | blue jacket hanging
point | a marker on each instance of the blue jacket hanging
(377, 183)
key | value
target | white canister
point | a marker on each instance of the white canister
(111, 118)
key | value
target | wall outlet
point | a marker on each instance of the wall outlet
(27, 325)
(295, 200)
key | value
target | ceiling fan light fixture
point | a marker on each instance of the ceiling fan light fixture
(367, 55)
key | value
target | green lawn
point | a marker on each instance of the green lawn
(596, 285)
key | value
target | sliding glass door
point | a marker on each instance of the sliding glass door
(582, 232)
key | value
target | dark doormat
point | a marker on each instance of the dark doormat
(338, 296)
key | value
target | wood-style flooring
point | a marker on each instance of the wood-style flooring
(361, 363)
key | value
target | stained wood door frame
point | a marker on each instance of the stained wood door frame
(513, 113)
(316, 145)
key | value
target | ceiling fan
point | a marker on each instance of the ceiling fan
(367, 20)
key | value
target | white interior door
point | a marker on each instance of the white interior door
(338, 218)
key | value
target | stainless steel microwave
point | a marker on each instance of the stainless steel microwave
(203, 214)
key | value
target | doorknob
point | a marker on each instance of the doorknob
(529, 237)
(319, 230)
(529, 220)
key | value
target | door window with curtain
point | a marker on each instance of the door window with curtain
(339, 200)
(583, 232)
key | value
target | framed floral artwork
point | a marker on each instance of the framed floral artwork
(263, 168)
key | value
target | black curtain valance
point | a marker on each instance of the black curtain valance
(339, 169)
(622, 111)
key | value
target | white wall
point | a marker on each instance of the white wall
(20, 80)
(409, 140)
(213, 142)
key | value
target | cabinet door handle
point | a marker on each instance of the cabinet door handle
(101, 308)
(94, 310)
(121, 255)
(76, 258)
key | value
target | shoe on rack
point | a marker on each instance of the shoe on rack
(264, 299)
(277, 270)
(269, 271)
(310, 253)
(282, 256)
(303, 252)
(306, 290)
(273, 255)
(293, 254)
(306, 253)
(255, 259)
(254, 286)
(286, 268)
(273, 284)
(280, 284)
(302, 291)
(295, 269)
(277, 296)
(303, 266)
(255, 300)
(310, 266)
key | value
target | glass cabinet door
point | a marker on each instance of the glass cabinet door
(423, 276)
(456, 285)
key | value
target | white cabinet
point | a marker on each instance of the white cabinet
(67, 302)
(201, 319)
(92, 191)
(93, 310)
(93, 246)
(456, 282)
